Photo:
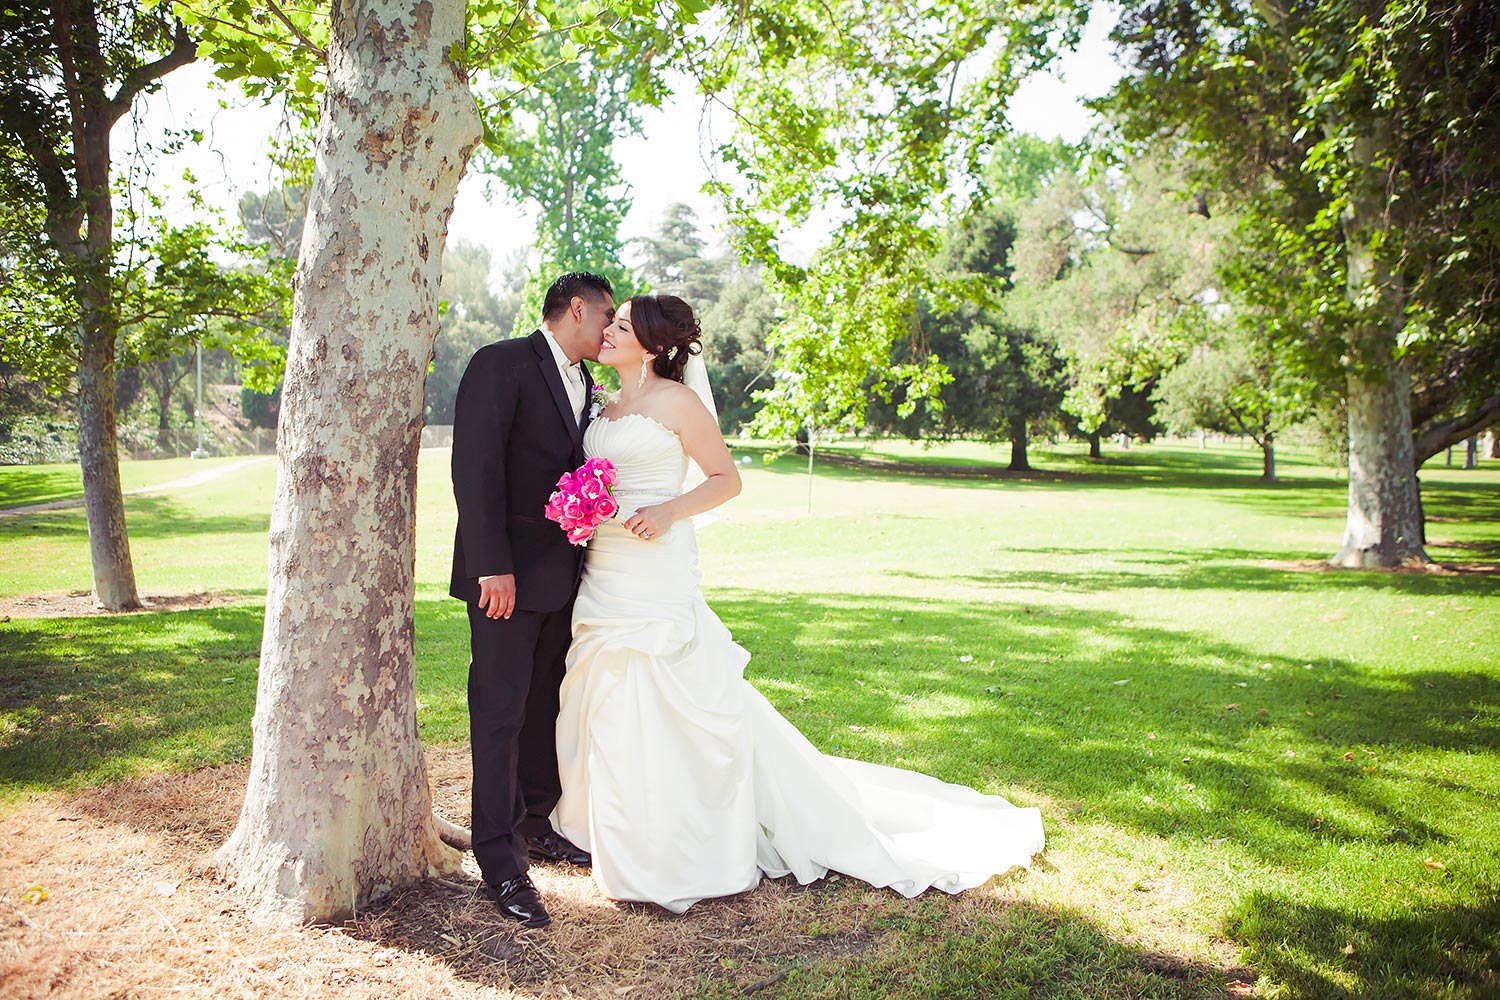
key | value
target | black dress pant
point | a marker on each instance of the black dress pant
(515, 668)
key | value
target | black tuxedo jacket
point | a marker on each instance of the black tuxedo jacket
(513, 435)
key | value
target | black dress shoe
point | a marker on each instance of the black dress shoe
(518, 900)
(553, 846)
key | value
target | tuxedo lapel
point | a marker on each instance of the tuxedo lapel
(588, 398)
(548, 364)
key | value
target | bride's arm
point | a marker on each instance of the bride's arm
(704, 444)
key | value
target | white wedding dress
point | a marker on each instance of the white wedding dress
(683, 781)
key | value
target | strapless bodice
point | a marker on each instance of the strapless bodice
(648, 458)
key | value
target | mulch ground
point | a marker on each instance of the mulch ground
(80, 604)
(1426, 569)
(104, 893)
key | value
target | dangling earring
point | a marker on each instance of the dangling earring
(641, 382)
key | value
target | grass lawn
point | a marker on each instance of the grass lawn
(1243, 763)
(23, 485)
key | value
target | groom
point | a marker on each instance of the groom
(518, 426)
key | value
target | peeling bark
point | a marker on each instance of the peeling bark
(338, 811)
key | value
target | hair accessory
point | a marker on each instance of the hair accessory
(672, 353)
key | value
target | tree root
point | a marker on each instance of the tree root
(452, 834)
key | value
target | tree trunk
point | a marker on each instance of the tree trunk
(338, 810)
(165, 386)
(1383, 526)
(1494, 444)
(82, 229)
(1094, 450)
(1268, 457)
(1471, 452)
(1018, 443)
(99, 458)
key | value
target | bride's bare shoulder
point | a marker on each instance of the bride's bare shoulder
(682, 402)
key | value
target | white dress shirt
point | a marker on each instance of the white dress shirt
(572, 377)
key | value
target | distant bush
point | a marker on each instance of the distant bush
(38, 441)
(260, 409)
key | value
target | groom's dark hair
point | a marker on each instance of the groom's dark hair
(560, 295)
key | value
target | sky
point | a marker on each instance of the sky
(665, 163)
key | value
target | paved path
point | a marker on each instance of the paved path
(185, 483)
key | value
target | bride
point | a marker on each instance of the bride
(677, 775)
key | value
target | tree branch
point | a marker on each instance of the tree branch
(184, 51)
(1450, 432)
(306, 42)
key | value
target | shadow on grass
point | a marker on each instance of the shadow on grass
(1235, 478)
(1317, 951)
(1219, 569)
(1212, 746)
(1062, 701)
(90, 700)
(21, 486)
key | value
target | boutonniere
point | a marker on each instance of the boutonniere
(598, 400)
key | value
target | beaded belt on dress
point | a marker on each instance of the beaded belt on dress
(668, 494)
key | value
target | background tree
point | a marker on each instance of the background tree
(673, 260)
(876, 128)
(735, 309)
(1007, 377)
(275, 219)
(1118, 265)
(475, 316)
(1233, 385)
(736, 329)
(1365, 133)
(1007, 383)
(552, 145)
(68, 72)
(91, 286)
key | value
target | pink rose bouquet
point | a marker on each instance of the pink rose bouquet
(584, 500)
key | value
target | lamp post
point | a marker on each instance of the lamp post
(199, 451)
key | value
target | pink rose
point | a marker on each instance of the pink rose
(580, 535)
(572, 508)
(606, 508)
(591, 489)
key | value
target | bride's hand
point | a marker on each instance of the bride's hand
(650, 522)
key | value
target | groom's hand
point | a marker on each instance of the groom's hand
(497, 595)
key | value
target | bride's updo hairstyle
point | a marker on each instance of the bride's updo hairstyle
(666, 327)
